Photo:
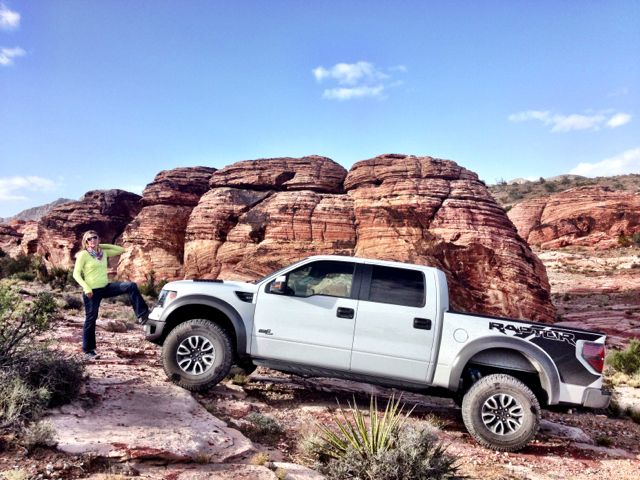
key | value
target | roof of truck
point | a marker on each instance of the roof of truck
(373, 261)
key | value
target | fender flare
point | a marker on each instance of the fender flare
(225, 308)
(546, 368)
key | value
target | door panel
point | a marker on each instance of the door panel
(314, 328)
(393, 339)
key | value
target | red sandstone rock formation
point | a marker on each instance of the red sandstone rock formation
(282, 213)
(261, 215)
(584, 216)
(106, 211)
(433, 212)
(10, 240)
(19, 238)
(154, 241)
(316, 173)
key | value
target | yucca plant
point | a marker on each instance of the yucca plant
(379, 447)
(356, 434)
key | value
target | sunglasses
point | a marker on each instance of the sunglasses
(95, 237)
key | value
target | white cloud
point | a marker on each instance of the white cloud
(530, 115)
(618, 120)
(356, 92)
(357, 80)
(350, 73)
(9, 20)
(574, 121)
(8, 54)
(12, 188)
(566, 123)
(626, 162)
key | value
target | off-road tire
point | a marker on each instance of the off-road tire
(501, 412)
(216, 345)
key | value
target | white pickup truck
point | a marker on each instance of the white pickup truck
(380, 322)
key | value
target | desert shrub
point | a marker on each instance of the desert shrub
(550, 187)
(623, 240)
(38, 434)
(382, 447)
(19, 402)
(11, 266)
(150, 287)
(16, 474)
(628, 360)
(31, 377)
(260, 458)
(59, 375)
(21, 321)
(604, 441)
(635, 238)
(72, 303)
(58, 277)
(262, 428)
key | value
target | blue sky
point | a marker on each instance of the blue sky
(105, 94)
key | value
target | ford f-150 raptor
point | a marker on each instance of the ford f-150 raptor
(381, 322)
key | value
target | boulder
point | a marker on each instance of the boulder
(593, 216)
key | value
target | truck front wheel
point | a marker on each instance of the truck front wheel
(197, 354)
(501, 412)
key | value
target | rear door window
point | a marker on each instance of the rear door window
(397, 286)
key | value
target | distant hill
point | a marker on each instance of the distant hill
(36, 213)
(511, 193)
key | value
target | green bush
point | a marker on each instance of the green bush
(635, 238)
(19, 402)
(262, 428)
(623, 240)
(38, 434)
(382, 447)
(628, 360)
(72, 303)
(11, 266)
(31, 377)
(59, 375)
(150, 288)
(21, 321)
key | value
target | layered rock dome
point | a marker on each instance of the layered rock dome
(584, 216)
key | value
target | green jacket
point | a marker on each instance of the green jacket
(91, 273)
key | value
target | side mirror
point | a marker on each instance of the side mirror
(279, 286)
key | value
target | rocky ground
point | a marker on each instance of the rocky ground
(131, 422)
(597, 289)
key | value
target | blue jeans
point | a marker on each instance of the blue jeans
(92, 307)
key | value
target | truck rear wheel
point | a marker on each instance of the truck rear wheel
(501, 412)
(197, 354)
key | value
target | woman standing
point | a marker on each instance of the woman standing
(91, 273)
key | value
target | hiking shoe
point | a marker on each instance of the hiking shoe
(91, 356)
(142, 320)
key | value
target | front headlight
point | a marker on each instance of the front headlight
(166, 297)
